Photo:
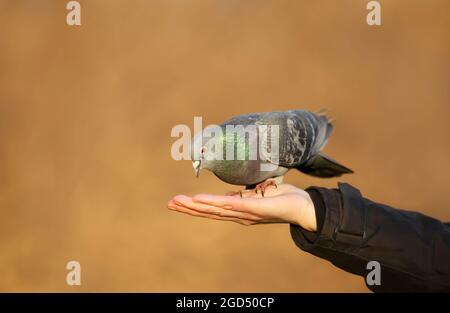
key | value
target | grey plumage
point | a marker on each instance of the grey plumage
(302, 135)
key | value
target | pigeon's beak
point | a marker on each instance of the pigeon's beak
(197, 167)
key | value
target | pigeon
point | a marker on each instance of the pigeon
(301, 137)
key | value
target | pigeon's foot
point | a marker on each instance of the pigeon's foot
(251, 189)
(262, 186)
(234, 193)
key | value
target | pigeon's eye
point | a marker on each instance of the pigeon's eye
(203, 150)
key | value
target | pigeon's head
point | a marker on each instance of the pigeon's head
(203, 149)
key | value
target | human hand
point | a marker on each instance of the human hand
(282, 204)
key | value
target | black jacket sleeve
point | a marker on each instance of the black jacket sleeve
(413, 250)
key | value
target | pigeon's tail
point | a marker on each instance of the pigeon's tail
(322, 165)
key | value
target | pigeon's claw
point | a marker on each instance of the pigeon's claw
(233, 193)
(262, 186)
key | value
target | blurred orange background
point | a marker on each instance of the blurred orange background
(86, 114)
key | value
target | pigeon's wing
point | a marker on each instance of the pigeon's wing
(243, 120)
(301, 135)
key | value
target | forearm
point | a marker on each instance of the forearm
(412, 249)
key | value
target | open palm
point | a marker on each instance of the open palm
(282, 204)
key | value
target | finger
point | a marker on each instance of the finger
(247, 204)
(182, 209)
(210, 209)
(176, 207)
(242, 193)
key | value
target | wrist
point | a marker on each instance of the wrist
(307, 214)
(310, 215)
